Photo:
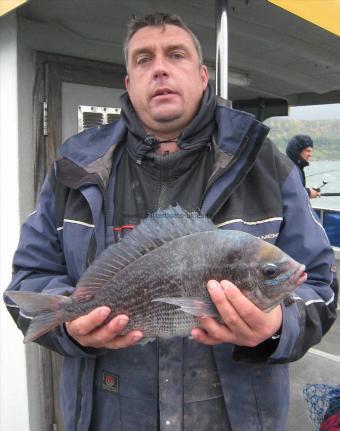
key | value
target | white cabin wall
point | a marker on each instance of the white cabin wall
(13, 400)
(26, 75)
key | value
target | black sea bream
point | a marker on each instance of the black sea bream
(157, 275)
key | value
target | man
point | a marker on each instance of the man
(176, 143)
(300, 150)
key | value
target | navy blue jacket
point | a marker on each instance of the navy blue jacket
(253, 188)
(294, 148)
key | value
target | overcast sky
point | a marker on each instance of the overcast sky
(315, 112)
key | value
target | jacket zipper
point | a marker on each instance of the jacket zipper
(163, 199)
(105, 205)
(105, 209)
(91, 252)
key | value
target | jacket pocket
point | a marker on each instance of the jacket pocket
(125, 390)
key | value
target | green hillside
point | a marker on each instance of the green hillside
(325, 134)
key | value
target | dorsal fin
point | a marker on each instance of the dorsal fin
(159, 228)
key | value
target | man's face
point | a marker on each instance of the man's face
(306, 154)
(165, 80)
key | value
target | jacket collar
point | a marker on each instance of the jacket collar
(237, 137)
(88, 155)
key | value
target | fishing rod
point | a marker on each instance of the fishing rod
(318, 189)
(320, 173)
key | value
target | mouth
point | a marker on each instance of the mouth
(299, 276)
(161, 92)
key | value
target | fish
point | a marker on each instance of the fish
(157, 275)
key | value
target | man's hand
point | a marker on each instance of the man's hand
(314, 193)
(89, 331)
(244, 323)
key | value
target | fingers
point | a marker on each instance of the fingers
(314, 193)
(89, 330)
(108, 336)
(212, 333)
(120, 342)
(243, 324)
(85, 324)
(233, 306)
(262, 324)
(251, 315)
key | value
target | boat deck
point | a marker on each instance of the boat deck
(320, 365)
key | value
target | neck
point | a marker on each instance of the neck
(167, 147)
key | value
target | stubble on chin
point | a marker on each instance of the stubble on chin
(162, 118)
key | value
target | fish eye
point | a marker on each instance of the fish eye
(270, 270)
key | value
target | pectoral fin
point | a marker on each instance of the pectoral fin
(198, 306)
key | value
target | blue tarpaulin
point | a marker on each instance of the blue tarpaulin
(331, 223)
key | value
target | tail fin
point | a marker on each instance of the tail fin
(45, 311)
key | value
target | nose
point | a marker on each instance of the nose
(160, 68)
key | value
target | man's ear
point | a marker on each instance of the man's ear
(204, 76)
(127, 83)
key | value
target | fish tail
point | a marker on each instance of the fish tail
(45, 311)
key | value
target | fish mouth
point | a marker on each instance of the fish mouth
(299, 276)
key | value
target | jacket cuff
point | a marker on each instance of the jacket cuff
(289, 334)
(276, 349)
(72, 348)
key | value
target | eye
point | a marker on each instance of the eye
(142, 60)
(270, 270)
(176, 55)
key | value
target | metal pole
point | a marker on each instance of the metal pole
(221, 72)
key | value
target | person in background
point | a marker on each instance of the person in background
(176, 142)
(300, 151)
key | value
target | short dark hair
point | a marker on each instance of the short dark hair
(156, 20)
